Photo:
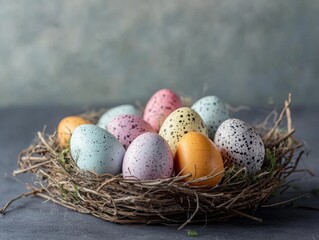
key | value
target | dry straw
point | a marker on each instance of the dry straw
(166, 201)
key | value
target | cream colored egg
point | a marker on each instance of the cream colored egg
(180, 122)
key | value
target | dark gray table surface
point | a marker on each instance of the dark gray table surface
(32, 218)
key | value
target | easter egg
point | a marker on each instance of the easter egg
(198, 155)
(160, 105)
(213, 112)
(127, 127)
(66, 128)
(149, 157)
(179, 123)
(240, 144)
(117, 111)
(94, 149)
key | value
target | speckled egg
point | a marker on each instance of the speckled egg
(117, 111)
(198, 155)
(128, 127)
(213, 112)
(149, 157)
(240, 145)
(66, 128)
(160, 105)
(179, 123)
(94, 149)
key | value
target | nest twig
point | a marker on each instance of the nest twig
(167, 201)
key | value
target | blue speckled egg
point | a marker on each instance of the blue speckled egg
(95, 149)
(107, 117)
(149, 157)
(240, 144)
(213, 112)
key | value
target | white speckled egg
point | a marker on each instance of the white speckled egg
(117, 111)
(149, 157)
(128, 127)
(178, 123)
(240, 145)
(94, 149)
(213, 112)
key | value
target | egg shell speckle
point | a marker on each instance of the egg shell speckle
(128, 127)
(213, 112)
(160, 105)
(240, 145)
(107, 117)
(148, 158)
(179, 123)
(94, 149)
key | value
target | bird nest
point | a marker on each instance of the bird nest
(165, 201)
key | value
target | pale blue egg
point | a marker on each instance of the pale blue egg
(107, 117)
(95, 149)
(213, 112)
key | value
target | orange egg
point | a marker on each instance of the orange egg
(198, 155)
(67, 126)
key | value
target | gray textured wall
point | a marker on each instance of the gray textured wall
(84, 52)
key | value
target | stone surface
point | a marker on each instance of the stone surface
(80, 52)
(32, 218)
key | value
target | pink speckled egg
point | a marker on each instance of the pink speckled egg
(149, 157)
(128, 127)
(160, 105)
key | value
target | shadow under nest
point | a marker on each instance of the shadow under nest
(165, 201)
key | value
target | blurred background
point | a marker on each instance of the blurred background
(66, 53)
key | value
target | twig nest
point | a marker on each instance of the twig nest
(194, 195)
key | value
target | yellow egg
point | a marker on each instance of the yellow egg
(67, 126)
(180, 122)
(198, 155)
